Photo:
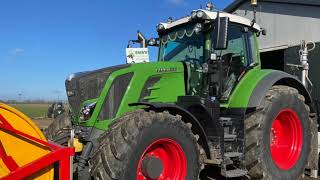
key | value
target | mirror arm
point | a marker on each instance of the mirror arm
(142, 40)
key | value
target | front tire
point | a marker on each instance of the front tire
(58, 130)
(147, 145)
(278, 136)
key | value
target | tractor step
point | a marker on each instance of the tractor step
(226, 121)
(230, 137)
(233, 173)
(232, 154)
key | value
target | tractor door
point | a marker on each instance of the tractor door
(237, 59)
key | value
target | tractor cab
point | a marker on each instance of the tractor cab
(216, 47)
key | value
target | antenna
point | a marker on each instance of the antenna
(209, 6)
(20, 96)
(254, 4)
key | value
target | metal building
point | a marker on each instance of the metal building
(287, 23)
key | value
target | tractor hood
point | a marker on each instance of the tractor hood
(109, 91)
(87, 85)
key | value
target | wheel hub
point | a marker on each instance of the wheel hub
(164, 159)
(151, 167)
(286, 139)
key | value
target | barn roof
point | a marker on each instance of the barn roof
(233, 6)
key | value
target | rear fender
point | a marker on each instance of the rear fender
(277, 78)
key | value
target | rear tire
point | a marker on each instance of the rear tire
(278, 136)
(140, 135)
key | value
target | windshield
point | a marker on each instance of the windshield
(183, 44)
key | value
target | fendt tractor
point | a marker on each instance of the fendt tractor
(206, 108)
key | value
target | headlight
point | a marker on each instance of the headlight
(198, 28)
(86, 111)
(152, 42)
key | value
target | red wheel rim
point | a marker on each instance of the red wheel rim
(286, 139)
(172, 157)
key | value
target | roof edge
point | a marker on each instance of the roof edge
(237, 3)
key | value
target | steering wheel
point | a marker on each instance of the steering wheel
(195, 63)
(194, 60)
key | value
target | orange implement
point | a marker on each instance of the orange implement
(24, 151)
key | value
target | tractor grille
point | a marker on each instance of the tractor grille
(87, 85)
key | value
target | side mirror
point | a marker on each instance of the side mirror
(220, 33)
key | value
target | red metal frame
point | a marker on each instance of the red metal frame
(58, 154)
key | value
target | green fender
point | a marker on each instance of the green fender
(251, 90)
(276, 78)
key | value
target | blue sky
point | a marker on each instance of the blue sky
(43, 41)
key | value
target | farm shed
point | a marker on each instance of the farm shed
(287, 23)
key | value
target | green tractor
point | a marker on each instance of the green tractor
(206, 106)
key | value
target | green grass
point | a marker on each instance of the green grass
(32, 110)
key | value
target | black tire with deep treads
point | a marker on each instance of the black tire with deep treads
(123, 144)
(58, 131)
(258, 159)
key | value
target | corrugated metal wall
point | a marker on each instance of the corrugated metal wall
(286, 24)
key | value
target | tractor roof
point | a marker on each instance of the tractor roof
(211, 15)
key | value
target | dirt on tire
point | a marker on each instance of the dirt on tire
(123, 144)
(58, 131)
(258, 159)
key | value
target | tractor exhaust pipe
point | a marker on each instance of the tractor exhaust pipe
(304, 52)
(304, 63)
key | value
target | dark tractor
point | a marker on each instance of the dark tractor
(55, 110)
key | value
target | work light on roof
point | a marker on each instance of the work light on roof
(200, 14)
(160, 27)
(170, 20)
(194, 14)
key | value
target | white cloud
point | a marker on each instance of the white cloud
(17, 51)
(177, 2)
(14, 54)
